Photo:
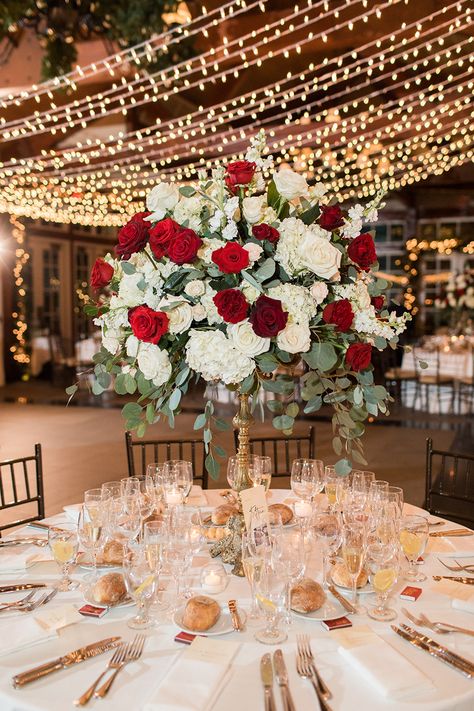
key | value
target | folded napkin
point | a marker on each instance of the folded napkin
(382, 666)
(196, 679)
(20, 633)
(197, 497)
(464, 605)
(460, 547)
(21, 560)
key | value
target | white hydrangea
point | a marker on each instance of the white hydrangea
(209, 306)
(250, 292)
(152, 299)
(214, 356)
(154, 363)
(297, 300)
(357, 293)
(160, 199)
(289, 251)
(129, 290)
(188, 210)
(111, 339)
(116, 316)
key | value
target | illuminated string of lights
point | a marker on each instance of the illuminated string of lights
(18, 349)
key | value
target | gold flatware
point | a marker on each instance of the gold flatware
(44, 526)
(266, 675)
(39, 603)
(348, 606)
(234, 613)
(441, 627)
(40, 542)
(456, 578)
(133, 651)
(282, 678)
(416, 642)
(68, 660)
(458, 568)
(17, 603)
(455, 532)
(305, 672)
(462, 662)
(116, 658)
(21, 586)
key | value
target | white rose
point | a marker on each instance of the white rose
(199, 312)
(253, 209)
(250, 293)
(254, 251)
(154, 363)
(132, 346)
(246, 340)
(295, 338)
(181, 316)
(194, 288)
(319, 256)
(319, 291)
(290, 185)
(129, 291)
(163, 197)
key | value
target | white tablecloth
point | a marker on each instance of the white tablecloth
(243, 691)
(454, 364)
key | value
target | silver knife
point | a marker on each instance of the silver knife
(282, 678)
(266, 673)
(411, 636)
(21, 586)
(456, 578)
(68, 660)
(348, 606)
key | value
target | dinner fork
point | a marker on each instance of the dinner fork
(469, 568)
(133, 651)
(116, 658)
(304, 648)
(18, 603)
(441, 627)
(305, 672)
(29, 607)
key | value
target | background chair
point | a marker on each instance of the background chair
(466, 390)
(450, 484)
(432, 377)
(282, 450)
(396, 377)
(143, 452)
(21, 489)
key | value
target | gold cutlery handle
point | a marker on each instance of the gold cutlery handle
(325, 692)
(287, 699)
(36, 673)
(324, 706)
(87, 695)
(455, 628)
(268, 700)
(105, 688)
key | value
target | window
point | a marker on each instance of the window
(380, 233)
(397, 232)
(82, 324)
(383, 263)
(51, 292)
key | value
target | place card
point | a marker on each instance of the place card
(254, 501)
(214, 651)
(55, 619)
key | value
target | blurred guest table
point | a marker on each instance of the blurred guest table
(138, 683)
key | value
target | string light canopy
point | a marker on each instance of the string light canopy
(387, 114)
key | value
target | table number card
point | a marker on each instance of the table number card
(57, 618)
(214, 651)
(254, 501)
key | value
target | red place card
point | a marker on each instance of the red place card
(92, 611)
(410, 593)
(337, 624)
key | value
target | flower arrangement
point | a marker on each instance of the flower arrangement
(459, 292)
(233, 279)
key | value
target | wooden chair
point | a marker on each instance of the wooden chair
(432, 378)
(450, 484)
(143, 452)
(21, 485)
(396, 378)
(466, 391)
(282, 450)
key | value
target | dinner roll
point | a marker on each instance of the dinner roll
(340, 576)
(201, 613)
(222, 514)
(275, 510)
(109, 589)
(215, 533)
(307, 596)
(112, 553)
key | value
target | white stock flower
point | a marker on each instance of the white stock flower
(254, 250)
(295, 338)
(253, 208)
(318, 191)
(163, 197)
(216, 220)
(319, 256)
(214, 356)
(250, 292)
(188, 210)
(319, 291)
(207, 302)
(296, 300)
(194, 288)
(129, 291)
(181, 316)
(154, 363)
(246, 340)
(353, 224)
(199, 312)
(231, 209)
(132, 346)
(290, 185)
(230, 231)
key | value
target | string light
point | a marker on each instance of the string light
(18, 349)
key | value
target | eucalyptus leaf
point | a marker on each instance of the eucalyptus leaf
(322, 356)
(199, 422)
(175, 399)
(267, 270)
(275, 406)
(187, 191)
(283, 422)
(212, 466)
(132, 409)
(292, 410)
(128, 268)
(343, 467)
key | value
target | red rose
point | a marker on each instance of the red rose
(161, 235)
(378, 302)
(358, 356)
(265, 231)
(231, 258)
(239, 173)
(184, 246)
(339, 313)
(133, 236)
(362, 251)
(267, 317)
(148, 325)
(101, 274)
(231, 305)
(331, 217)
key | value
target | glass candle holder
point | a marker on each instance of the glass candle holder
(214, 579)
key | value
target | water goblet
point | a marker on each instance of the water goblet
(63, 545)
(384, 568)
(307, 478)
(326, 528)
(413, 538)
(271, 598)
(141, 583)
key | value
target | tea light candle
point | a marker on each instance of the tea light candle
(173, 497)
(214, 578)
(303, 509)
(212, 582)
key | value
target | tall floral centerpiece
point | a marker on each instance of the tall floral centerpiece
(234, 278)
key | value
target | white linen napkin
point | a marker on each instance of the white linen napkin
(196, 679)
(464, 605)
(383, 667)
(21, 560)
(20, 633)
(462, 547)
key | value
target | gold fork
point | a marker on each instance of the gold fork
(133, 652)
(441, 627)
(117, 657)
(305, 672)
(304, 647)
(458, 568)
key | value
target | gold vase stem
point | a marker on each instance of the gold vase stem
(242, 421)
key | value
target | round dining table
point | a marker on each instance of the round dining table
(138, 686)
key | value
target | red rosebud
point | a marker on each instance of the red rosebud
(267, 317)
(101, 274)
(358, 356)
(184, 246)
(161, 235)
(231, 305)
(331, 217)
(148, 325)
(264, 231)
(231, 258)
(133, 236)
(339, 313)
(239, 173)
(362, 251)
(378, 302)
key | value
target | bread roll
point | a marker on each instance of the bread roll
(340, 576)
(112, 553)
(201, 613)
(215, 533)
(307, 596)
(222, 514)
(109, 589)
(275, 510)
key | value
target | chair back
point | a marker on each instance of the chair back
(21, 490)
(450, 484)
(140, 453)
(282, 450)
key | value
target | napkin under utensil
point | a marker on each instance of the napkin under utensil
(20, 633)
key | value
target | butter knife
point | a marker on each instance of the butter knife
(348, 606)
(456, 578)
(462, 663)
(21, 586)
(282, 678)
(68, 660)
(44, 526)
(452, 533)
(266, 674)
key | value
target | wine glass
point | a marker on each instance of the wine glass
(252, 565)
(353, 554)
(271, 597)
(128, 518)
(154, 484)
(326, 528)
(111, 490)
(188, 519)
(288, 558)
(307, 478)
(183, 472)
(130, 485)
(63, 545)
(260, 470)
(141, 582)
(384, 568)
(413, 538)
(176, 556)
(92, 528)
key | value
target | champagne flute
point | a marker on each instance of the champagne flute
(307, 478)
(413, 538)
(154, 540)
(326, 528)
(63, 545)
(252, 565)
(92, 527)
(330, 485)
(141, 582)
(353, 554)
